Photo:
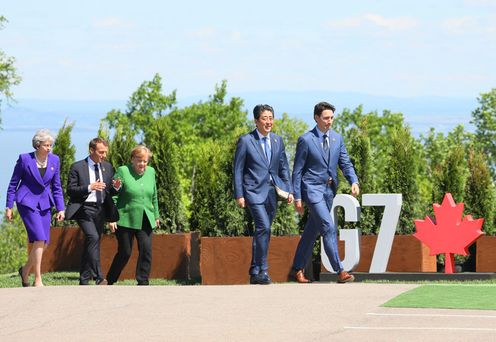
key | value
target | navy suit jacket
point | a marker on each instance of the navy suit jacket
(77, 189)
(28, 188)
(311, 171)
(252, 171)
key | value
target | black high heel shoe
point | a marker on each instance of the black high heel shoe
(22, 279)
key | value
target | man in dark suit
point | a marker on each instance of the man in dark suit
(261, 165)
(315, 181)
(90, 203)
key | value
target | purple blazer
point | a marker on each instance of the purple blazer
(28, 188)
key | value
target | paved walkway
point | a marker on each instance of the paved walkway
(280, 312)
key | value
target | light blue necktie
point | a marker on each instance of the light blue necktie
(268, 153)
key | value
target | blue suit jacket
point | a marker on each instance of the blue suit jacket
(252, 171)
(311, 170)
(28, 188)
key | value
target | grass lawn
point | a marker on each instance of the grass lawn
(72, 278)
(444, 296)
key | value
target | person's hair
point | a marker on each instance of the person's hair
(97, 140)
(41, 136)
(321, 106)
(260, 108)
(140, 150)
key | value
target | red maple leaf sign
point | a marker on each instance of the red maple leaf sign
(449, 234)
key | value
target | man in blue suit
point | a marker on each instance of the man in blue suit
(261, 165)
(315, 181)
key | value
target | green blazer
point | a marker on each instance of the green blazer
(137, 195)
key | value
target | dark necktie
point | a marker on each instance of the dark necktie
(325, 146)
(97, 178)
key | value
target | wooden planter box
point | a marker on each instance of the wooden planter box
(408, 254)
(486, 254)
(226, 260)
(175, 256)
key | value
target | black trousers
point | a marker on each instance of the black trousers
(91, 219)
(125, 239)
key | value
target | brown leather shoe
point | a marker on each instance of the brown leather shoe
(300, 277)
(345, 277)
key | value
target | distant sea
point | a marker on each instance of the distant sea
(20, 120)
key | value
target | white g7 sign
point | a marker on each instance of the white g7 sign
(351, 237)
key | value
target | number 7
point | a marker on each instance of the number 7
(392, 207)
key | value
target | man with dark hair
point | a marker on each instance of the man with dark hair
(315, 181)
(90, 203)
(260, 168)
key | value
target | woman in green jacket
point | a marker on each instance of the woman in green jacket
(137, 204)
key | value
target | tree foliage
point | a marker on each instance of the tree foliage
(165, 161)
(289, 129)
(214, 120)
(145, 106)
(402, 163)
(13, 244)
(484, 119)
(66, 151)
(214, 211)
(451, 175)
(480, 195)
(8, 73)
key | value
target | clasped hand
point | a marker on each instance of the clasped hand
(98, 185)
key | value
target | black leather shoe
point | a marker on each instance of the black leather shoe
(143, 282)
(260, 279)
(24, 284)
(265, 278)
(254, 279)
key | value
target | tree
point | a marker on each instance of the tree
(360, 152)
(451, 175)
(402, 164)
(377, 129)
(165, 161)
(484, 119)
(145, 106)
(214, 120)
(289, 129)
(213, 209)
(66, 151)
(480, 196)
(8, 73)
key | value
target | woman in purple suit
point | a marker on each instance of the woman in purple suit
(35, 187)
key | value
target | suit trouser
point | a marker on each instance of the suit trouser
(319, 222)
(263, 215)
(91, 219)
(125, 238)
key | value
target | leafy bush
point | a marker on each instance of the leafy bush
(13, 244)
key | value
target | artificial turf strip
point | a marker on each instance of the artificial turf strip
(460, 296)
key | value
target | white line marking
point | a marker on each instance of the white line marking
(429, 315)
(420, 328)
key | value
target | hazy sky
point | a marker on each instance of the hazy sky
(104, 49)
